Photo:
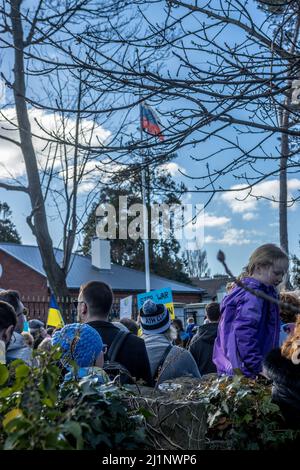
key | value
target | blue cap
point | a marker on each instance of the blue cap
(35, 324)
(79, 342)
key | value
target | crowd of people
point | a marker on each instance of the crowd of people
(250, 331)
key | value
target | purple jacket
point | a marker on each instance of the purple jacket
(248, 330)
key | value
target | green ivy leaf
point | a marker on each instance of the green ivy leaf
(22, 371)
(4, 374)
(75, 429)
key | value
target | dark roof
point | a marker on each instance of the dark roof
(81, 271)
(211, 285)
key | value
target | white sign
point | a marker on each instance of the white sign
(126, 307)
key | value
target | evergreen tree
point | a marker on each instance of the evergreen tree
(160, 188)
(8, 231)
(296, 271)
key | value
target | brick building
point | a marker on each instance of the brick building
(21, 269)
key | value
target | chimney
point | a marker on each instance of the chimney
(100, 253)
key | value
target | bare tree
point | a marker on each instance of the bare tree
(40, 41)
(225, 96)
(196, 263)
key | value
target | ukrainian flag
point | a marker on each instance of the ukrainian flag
(54, 316)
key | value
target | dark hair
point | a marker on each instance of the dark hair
(213, 311)
(178, 324)
(12, 297)
(132, 325)
(7, 315)
(98, 297)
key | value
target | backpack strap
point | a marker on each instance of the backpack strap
(116, 345)
(161, 362)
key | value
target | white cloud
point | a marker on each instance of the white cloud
(173, 168)
(243, 200)
(42, 123)
(232, 236)
(274, 224)
(249, 216)
(194, 230)
(186, 198)
(214, 221)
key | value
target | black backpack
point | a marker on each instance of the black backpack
(113, 368)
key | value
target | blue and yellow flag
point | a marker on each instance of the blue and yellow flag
(54, 316)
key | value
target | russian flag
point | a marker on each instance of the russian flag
(149, 121)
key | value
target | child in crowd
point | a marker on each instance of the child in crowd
(182, 337)
(82, 345)
(190, 328)
(249, 326)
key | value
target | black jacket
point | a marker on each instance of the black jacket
(132, 354)
(202, 346)
(286, 386)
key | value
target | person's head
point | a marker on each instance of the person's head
(28, 338)
(213, 312)
(286, 315)
(45, 345)
(94, 301)
(178, 324)
(50, 330)
(131, 325)
(291, 347)
(81, 343)
(155, 319)
(190, 320)
(268, 264)
(37, 329)
(12, 297)
(8, 321)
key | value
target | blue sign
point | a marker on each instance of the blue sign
(159, 296)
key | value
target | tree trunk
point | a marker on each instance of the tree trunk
(39, 227)
(285, 148)
(283, 225)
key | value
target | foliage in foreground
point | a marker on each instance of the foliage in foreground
(240, 412)
(34, 415)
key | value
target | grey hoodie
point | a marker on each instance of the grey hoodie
(178, 363)
(18, 349)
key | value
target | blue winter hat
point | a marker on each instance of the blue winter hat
(79, 342)
(155, 318)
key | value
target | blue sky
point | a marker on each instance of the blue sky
(236, 227)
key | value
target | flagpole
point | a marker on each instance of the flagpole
(145, 218)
